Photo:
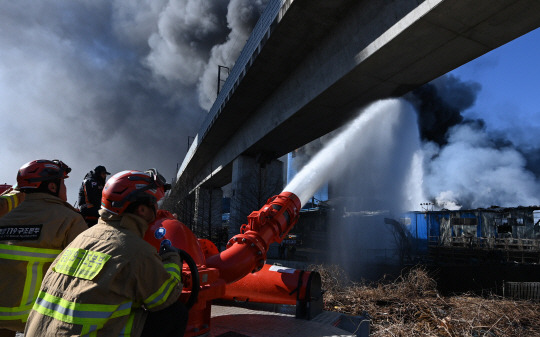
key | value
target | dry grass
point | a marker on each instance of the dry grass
(412, 306)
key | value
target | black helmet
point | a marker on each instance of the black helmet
(101, 169)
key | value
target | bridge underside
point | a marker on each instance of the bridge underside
(323, 60)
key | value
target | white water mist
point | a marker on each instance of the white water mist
(370, 133)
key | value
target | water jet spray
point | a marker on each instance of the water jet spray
(239, 272)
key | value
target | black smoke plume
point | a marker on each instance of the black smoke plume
(122, 84)
(439, 105)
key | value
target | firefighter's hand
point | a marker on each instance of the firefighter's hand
(166, 247)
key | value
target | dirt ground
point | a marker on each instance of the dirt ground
(411, 306)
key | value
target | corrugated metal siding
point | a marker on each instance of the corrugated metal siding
(438, 226)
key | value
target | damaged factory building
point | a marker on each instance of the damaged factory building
(489, 250)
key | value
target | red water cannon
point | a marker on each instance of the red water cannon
(239, 272)
(246, 252)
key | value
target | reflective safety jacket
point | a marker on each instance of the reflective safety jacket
(31, 237)
(9, 201)
(103, 281)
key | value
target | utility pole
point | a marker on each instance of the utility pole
(189, 139)
(219, 80)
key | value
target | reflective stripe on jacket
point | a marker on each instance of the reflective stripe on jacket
(31, 237)
(103, 281)
(35, 259)
(9, 201)
(91, 317)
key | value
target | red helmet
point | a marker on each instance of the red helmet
(126, 187)
(33, 173)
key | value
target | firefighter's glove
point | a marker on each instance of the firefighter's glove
(165, 248)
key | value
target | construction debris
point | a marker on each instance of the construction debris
(411, 306)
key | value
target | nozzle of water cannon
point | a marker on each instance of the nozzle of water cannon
(281, 210)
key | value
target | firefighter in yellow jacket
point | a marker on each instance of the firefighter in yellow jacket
(31, 237)
(9, 200)
(108, 279)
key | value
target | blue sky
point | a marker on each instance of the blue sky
(510, 95)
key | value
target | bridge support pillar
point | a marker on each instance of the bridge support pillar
(254, 180)
(208, 210)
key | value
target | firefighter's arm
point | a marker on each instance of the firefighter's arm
(9, 201)
(4, 207)
(164, 288)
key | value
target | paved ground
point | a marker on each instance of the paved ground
(241, 322)
(229, 321)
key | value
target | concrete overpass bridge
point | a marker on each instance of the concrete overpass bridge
(310, 64)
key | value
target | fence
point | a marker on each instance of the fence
(522, 290)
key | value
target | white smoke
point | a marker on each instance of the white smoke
(379, 163)
(472, 172)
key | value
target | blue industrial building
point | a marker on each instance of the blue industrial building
(495, 228)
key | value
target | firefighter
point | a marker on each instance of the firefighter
(108, 279)
(31, 236)
(9, 200)
(90, 194)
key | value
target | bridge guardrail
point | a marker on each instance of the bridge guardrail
(274, 11)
